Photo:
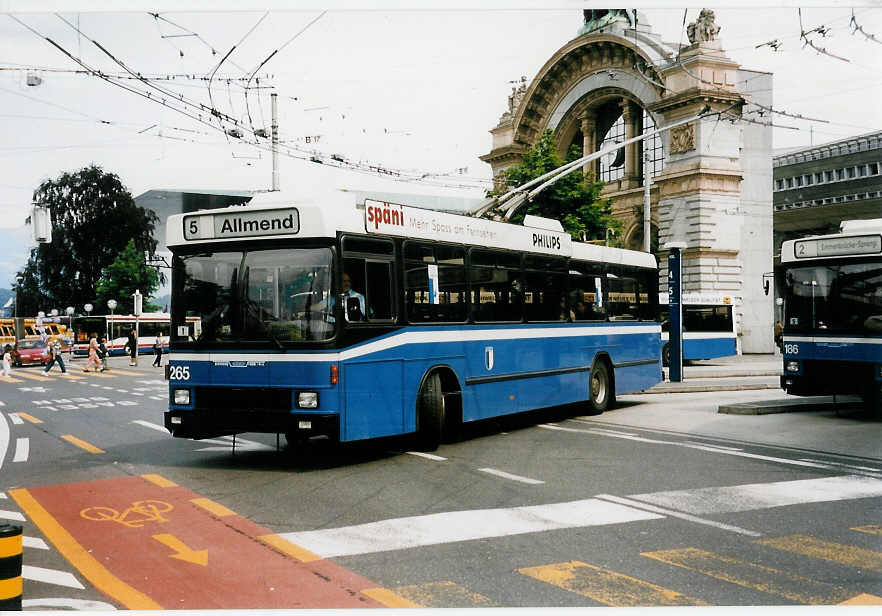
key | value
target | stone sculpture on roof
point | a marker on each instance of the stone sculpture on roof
(703, 29)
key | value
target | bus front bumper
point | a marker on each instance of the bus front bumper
(199, 424)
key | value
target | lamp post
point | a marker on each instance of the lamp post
(69, 312)
(18, 280)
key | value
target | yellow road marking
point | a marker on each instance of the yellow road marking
(69, 375)
(291, 549)
(9, 379)
(99, 375)
(182, 551)
(605, 586)
(160, 481)
(443, 594)
(757, 577)
(70, 438)
(212, 507)
(848, 555)
(91, 569)
(870, 529)
(29, 418)
(23, 373)
(388, 598)
(863, 599)
(125, 372)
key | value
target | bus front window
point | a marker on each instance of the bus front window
(264, 296)
(843, 297)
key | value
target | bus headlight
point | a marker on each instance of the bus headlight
(307, 400)
(791, 365)
(181, 396)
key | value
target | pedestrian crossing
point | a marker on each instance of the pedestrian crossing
(616, 587)
(151, 388)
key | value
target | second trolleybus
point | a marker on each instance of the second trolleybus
(379, 319)
(831, 286)
(708, 326)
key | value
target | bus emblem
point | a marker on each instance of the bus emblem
(488, 358)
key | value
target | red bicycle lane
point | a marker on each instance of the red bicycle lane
(151, 544)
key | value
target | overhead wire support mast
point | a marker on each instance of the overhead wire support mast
(507, 204)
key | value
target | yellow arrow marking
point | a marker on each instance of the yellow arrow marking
(863, 599)
(197, 557)
(29, 418)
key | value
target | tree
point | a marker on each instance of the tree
(123, 277)
(93, 219)
(573, 200)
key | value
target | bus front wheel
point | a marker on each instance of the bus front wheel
(431, 413)
(600, 392)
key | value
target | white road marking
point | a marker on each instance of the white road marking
(79, 399)
(127, 403)
(750, 497)
(152, 426)
(689, 445)
(34, 542)
(504, 475)
(453, 526)
(11, 515)
(16, 420)
(50, 576)
(22, 449)
(677, 514)
(226, 444)
(851, 466)
(427, 456)
(67, 604)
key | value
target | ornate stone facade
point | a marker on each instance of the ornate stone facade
(714, 189)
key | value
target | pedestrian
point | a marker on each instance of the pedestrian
(93, 355)
(7, 359)
(133, 348)
(157, 351)
(55, 356)
(779, 334)
(102, 353)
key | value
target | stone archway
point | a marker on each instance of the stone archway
(711, 179)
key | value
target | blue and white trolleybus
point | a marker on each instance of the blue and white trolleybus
(832, 298)
(708, 326)
(373, 319)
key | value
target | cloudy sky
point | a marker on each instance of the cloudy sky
(410, 88)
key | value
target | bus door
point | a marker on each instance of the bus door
(373, 377)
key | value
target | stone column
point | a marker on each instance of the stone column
(630, 116)
(589, 142)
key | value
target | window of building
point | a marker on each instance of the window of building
(829, 176)
(779, 184)
(789, 182)
(851, 172)
(862, 170)
(840, 174)
(819, 178)
(809, 179)
(873, 168)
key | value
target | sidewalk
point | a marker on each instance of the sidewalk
(749, 372)
(739, 372)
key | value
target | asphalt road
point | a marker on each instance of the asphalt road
(660, 501)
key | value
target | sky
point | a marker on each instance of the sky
(395, 87)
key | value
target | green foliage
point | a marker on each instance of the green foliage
(123, 277)
(93, 218)
(573, 200)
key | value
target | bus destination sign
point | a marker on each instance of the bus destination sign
(838, 246)
(282, 221)
(404, 221)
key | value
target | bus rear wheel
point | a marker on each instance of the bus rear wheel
(666, 355)
(600, 392)
(431, 413)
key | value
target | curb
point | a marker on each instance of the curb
(769, 407)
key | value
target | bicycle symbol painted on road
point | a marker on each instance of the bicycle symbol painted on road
(133, 517)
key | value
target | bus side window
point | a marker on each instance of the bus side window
(587, 291)
(498, 292)
(369, 264)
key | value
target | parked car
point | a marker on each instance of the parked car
(31, 352)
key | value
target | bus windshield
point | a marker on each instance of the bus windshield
(273, 296)
(842, 297)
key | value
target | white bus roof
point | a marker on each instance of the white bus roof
(277, 216)
(859, 238)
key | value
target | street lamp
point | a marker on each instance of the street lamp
(69, 312)
(88, 309)
(111, 303)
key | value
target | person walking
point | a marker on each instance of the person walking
(93, 355)
(55, 356)
(157, 351)
(133, 348)
(102, 353)
(7, 359)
